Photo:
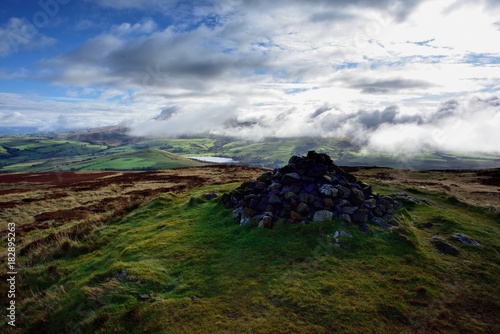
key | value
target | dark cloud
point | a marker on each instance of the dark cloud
(321, 110)
(399, 9)
(166, 113)
(387, 86)
(446, 109)
(373, 119)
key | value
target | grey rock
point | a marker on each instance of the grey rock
(345, 217)
(380, 222)
(444, 247)
(210, 196)
(291, 177)
(302, 208)
(360, 217)
(143, 298)
(357, 196)
(370, 203)
(266, 221)
(342, 233)
(463, 239)
(237, 212)
(245, 219)
(274, 200)
(121, 276)
(328, 190)
(275, 186)
(322, 215)
(349, 209)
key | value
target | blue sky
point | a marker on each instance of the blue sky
(391, 74)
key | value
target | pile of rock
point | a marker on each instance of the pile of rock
(310, 188)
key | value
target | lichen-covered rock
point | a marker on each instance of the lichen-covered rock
(322, 215)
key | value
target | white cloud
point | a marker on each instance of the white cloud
(381, 71)
(19, 34)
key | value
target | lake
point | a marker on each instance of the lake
(218, 160)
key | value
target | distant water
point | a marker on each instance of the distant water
(218, 160)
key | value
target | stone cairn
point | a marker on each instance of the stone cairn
(310, 188)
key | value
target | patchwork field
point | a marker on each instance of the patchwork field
(135, 252)
(116, 151)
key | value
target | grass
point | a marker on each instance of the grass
(51, 154)
(205, 273)
(136, 160)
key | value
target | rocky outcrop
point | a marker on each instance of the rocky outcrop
(310, 188)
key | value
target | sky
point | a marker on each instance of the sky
(392, 75)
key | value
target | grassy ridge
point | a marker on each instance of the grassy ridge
(211, 275)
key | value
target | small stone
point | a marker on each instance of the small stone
(121, 275)
(328, 190)
(210, 196)
(237, 212)
(444, 247)
(342, 233)
(309, 188)
(345, 217)
(290, 195)
(291, 177)
(322, 215)
(357, 196)
(363, 228)
(328, 202)
(345, 192)
(370, 203)
(244, 219)
(349, 209)
(463, 239)
(266, 221)
(360, 217)
(302, 208)
(275, 186)
(428, 225)
(274, 200)
(295, 216)
(380, 222)
(249, 212)
(266, 177)
(318, 204)
(143, 298)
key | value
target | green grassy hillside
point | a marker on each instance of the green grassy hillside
(136, 160)
(180, 264)
(45, 154)
(42, 155)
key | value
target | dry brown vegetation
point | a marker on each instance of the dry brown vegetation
(48, 205)
(477, 187)
(43, 203)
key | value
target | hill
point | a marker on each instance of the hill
(110, 252)
(97, 149)
(47, 154)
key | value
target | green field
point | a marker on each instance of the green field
(201, 272)
(45, 154)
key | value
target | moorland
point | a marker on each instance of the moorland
(130, 237)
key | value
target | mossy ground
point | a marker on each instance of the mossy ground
(206, 274)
